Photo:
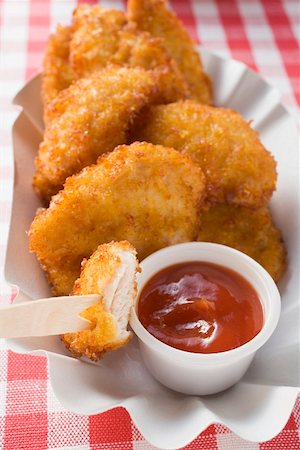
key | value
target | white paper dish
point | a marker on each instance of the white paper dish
(258, 407)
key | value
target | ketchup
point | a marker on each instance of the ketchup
(200, 307)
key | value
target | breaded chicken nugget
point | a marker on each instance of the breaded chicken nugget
(155, 17)
(89, 118)
(250, 231)
(238, 168)
(57, 73)
(103, 36)
(111, 273)
(149, 195)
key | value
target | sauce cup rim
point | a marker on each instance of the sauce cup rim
(271, 314)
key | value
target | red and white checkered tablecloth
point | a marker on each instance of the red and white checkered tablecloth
(264, 34)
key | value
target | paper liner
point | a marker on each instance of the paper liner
(258, 407)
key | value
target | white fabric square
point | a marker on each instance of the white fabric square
(61, 12)
(68, 429)
(233, 442)
(3, 385)
(117, 4)
(15, 8)
(142, 445)
(26, 397)
(205, 7)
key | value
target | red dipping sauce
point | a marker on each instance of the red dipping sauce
(200, 307)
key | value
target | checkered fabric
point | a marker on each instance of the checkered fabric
(262, 34)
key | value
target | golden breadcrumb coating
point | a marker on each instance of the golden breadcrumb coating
(155, 17)
(95, 39)
(103, 36)
(96, 273)
(250, 231)
(238, 168)
(89, 118)
(149, 195)
(57, 73)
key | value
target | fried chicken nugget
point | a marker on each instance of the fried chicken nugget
(57, 73)
(102, 36)
(155, 17)
(149, 195)
(238, 168)
(89, 118)
(250, 231)
(111, 273)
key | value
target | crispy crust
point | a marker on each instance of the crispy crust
(250, 231)
(103, 336)
(103, 36)
(95, 38)
(57, 72)
(149, 195)
(237, 166)
(94, 343)
(155, 17)
(88, 119)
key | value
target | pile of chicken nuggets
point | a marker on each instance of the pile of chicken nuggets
(134, 148)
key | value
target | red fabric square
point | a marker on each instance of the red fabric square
(296, 413)
(136, 434)
(233, 24)
(26, 431)
(283, 36)
(287, 439)
(91, 2)
(187, 17)
(39, 20)
(37, 44)
(26, 367)
(39, 8)
(2, 426)
(113, 426)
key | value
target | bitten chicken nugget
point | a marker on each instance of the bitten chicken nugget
(155, 17)
(250, 231)
(89, 118)
(111, 273)
(149, 195)
(57, 72)
(102, 36)
(238, 168)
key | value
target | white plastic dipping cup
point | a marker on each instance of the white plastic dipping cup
(200, 373)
